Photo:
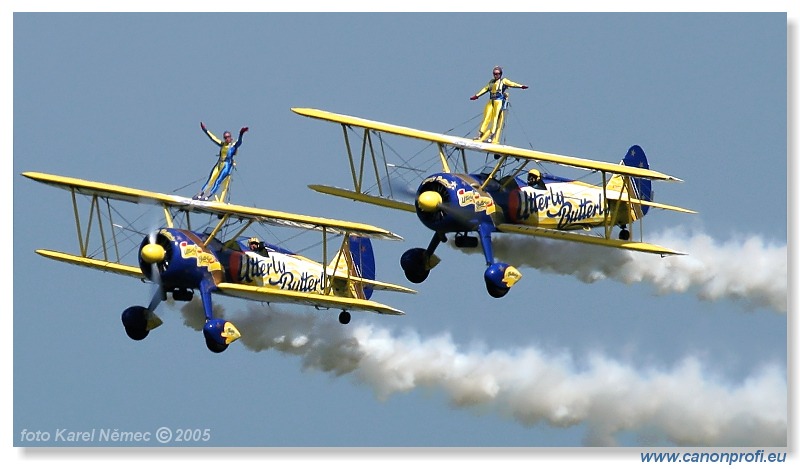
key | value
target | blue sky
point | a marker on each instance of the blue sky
(118, 98)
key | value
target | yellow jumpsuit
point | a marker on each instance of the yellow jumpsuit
(491, 112)
(222, 169)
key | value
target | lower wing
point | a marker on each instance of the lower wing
(265, 294)
(582, 238)
(97, 264)
(361, 197)
(269, 294)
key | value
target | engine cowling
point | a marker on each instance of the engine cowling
(448, 203)
(179, 262)
(176, 259)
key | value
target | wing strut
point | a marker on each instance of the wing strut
(443, 157)
(606, 225)
(613, 215)
(494, 171)
(356, 183)
(83, 242)
(374, 163)
(325, 259)
(328, 279)
(96, 204)
(168, 217)
(95, 211)
(113, 231)
(366, 145)
(242, 230)
(78, 223)
(216, 229)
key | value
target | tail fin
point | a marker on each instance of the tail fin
(355, 260)
(363, 260)
(641, 186)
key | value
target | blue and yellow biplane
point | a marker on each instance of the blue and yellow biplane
(508, 195)
(180, 259)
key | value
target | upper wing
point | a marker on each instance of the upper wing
(465, 143)
(138, 196)
(267, 294)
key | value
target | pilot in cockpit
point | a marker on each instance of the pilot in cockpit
(535, 179)
(257, 246)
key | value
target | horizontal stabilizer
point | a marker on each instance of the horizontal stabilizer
(97, 264)
(269, 294)
(361, 197)
(652, 204)
(374, 284)
(582, 238)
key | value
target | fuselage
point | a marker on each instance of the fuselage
(556, 203)
(276, 270)
(187, 262)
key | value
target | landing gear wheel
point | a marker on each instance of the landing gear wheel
(624, 234)
(413, 264)
(496, 291)
(416, 276)
(214, 346)
(344, 317)
(135, 321)
(499, 278)
(136, 334)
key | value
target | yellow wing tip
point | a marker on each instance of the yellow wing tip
(36, 175)
(304, 111)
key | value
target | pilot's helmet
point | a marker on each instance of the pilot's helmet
(534, 175)
(253, 241)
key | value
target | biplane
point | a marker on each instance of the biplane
(179, 259)
(509, 194)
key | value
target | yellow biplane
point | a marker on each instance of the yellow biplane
(508, 195)
(180, 259)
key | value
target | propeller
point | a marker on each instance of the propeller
(154, 254)
(139, 321)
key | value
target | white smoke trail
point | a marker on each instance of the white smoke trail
(747, 270)
(684, 405)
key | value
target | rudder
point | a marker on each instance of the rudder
(363, 260)
(636, 158)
